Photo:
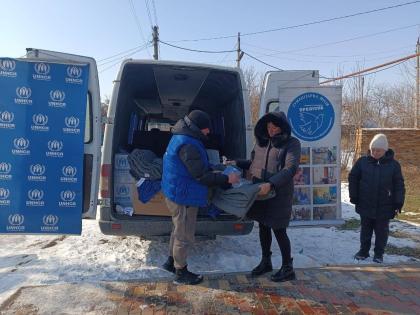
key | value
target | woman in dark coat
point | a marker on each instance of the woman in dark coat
(274, 162)
(376, 187)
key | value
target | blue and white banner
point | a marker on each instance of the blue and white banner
(42, 123)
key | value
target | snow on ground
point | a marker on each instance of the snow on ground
(92, 257)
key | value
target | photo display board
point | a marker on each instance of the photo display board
(315, 117)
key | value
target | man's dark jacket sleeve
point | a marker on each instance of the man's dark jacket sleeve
(192, 160)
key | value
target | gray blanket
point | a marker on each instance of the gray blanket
(236, 201)
(145, 164)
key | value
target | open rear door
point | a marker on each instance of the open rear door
(92, 138)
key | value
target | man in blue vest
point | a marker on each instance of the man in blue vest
(185, 181)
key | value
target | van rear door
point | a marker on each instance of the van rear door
(92, 139)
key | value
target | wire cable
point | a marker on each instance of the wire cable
(127, 55)
(259, 60)
(148, 13)
(120, 59)
(154, 12)
(197, 50)
(133, 11)
(303, 24)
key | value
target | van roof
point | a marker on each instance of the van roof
(177, 63)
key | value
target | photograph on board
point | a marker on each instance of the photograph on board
(301, 213)
(302, 196)
(324, 155)
(305, 155)
(325, 213)
(324, 175)
(302, 177)
(325, 195)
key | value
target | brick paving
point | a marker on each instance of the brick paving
(329, 290)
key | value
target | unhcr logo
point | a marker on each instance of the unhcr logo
(55, 147)
(50, 223)
(35, 198)
(16, 223)
(41, 72)
(123, 191)
(4, 197)
(21, 146)
(67, 199)
(69, 174)
(57, 99)
(5, 169)
(71, 125)
(23, 94)
(40, 123)
(74, 73)
(6, 120)
(7, 68)
(121, 163)
(37, 173)
(50, 220)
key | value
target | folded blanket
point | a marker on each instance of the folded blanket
(236, 201)
(145, 164)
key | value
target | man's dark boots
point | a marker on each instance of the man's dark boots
(169, 265)
(286, 273)
(264, 266)
(183, 276)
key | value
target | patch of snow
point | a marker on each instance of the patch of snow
(92, 257)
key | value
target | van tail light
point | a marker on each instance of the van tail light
(238, 227)
(115, 226)
(105, 177)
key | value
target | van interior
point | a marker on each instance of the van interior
(153, 97)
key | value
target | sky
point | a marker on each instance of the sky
(102, 29)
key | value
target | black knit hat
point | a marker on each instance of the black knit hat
(200, 119)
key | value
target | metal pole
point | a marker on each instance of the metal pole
(238, 60)
(155, 42)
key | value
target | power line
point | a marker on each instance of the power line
(197, 50)
(140, 48)
(329, 56)
(304, 24)
(372, 68)
(154, 12)
(148, 13)
(120, 59)
(259, 60)
(133, 11)
(121, 53)
(348, 39)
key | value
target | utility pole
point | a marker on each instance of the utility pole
(417, 112)
(155, 42)
(239, 52)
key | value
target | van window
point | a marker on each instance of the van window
(162, 126)
(273, 107)
(88, 122)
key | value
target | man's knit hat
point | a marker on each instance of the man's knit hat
(200, 119)
(379, 141)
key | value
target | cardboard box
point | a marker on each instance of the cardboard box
(155, 206)
(122, 194)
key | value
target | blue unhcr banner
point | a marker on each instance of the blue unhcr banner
(42, 123)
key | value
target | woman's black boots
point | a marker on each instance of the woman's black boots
(264, 266)
(286, 273)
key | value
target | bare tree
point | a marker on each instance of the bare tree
(254, 81)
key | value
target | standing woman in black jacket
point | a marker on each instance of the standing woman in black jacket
(274, 162)
(376, 187)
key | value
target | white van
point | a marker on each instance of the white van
(148, 98)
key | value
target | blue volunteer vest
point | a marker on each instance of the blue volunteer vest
(177, 183)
